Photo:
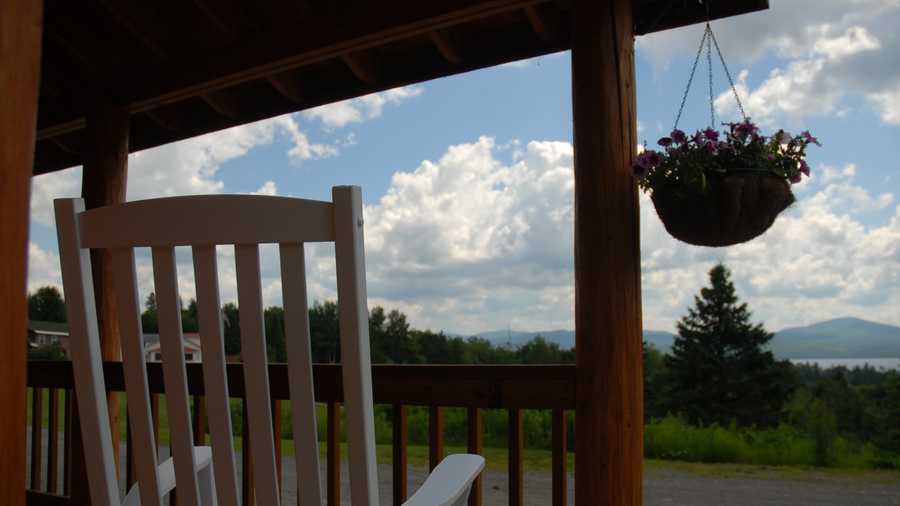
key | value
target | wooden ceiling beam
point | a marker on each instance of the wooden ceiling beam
(288, 85)
(447, 44)
(364, 66)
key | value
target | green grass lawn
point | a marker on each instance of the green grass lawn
(540, 459)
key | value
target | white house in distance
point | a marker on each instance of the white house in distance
(41, 333)
(190, 342)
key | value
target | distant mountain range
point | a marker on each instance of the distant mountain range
(838, 338)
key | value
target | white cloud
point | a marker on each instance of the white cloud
(268, 188)
(807, 86)
(356, 110)
(43, 268)
(47, 187)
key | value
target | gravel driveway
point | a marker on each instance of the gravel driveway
(669, 487)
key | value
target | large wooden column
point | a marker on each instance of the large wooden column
(609, 417)
(103, 183)
(20, 64)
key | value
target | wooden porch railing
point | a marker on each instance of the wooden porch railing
(475, 387)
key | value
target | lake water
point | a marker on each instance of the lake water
(850, 363)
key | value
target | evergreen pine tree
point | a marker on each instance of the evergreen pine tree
(718, 370)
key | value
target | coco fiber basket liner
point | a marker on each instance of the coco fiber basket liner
(735, 208)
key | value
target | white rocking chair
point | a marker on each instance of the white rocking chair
(207, 475)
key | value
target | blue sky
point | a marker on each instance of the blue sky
(467, 179)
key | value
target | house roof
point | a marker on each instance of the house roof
(48, 327)
(190, 341)
(187, 68)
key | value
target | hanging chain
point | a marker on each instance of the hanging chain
(728, 74)
(709, 40)
(690, 80)
(712, 107)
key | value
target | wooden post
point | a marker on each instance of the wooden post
(20, 63)
(104, 179)
(609, 402)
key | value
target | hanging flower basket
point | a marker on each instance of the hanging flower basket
(720, 189)
(712, 192)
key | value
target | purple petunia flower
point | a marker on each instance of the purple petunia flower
(711, 147)
(795, 178)
(804, 167)
(711, 134)
(745, 129)
(809, 138)
(653, 158)
(678, 136)
(665, 142)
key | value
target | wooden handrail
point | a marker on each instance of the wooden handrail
(464, 386)
(475, 387)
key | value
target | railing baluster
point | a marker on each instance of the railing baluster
(247, 495)
(37, 436)
(276, 433)
(435, 436)
(199, 422)
(515, 457)
(129, 453)
(154, 413)
(333, 420)
(559, 477)
(53, 443)
(475, 446)
(67, 443)
(399, 448)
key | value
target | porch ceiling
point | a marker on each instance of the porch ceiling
(187, 68)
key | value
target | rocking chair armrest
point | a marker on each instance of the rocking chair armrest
(202, 460)
(449, 482)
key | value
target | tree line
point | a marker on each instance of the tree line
(719, 372)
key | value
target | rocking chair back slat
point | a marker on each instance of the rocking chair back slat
(353, 317)
(181, 436)
(214, 376)
(84, 338)
(140, 418)
(300, 375)
(256, 377)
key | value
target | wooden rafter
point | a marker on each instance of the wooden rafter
(217, 16)
(63, 145)
(222, 102)
(541, 23)
(288, 85)
(122, 12)
(165, 117)
(363, 65)
(446, 44)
